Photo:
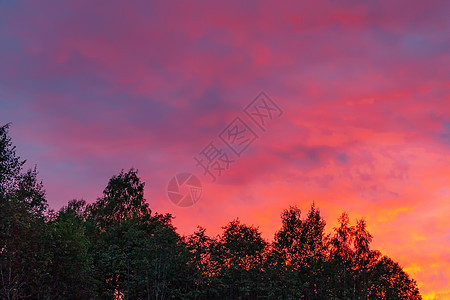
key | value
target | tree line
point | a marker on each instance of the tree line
(116, 248)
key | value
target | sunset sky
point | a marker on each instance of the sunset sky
(94, 87)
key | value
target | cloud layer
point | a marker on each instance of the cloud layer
(95, 88)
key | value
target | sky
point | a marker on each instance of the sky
(354, 96)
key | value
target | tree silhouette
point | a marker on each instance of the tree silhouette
(23, 254)
(116, 248)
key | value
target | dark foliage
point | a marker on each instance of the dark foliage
(115, 248)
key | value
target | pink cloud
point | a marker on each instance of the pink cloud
(93, 89)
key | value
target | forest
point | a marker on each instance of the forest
(117, 248)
